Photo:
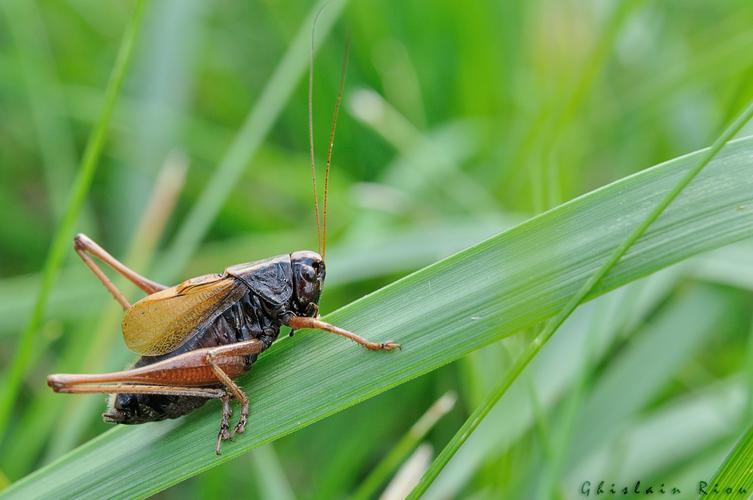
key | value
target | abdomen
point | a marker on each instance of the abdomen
(244, 320)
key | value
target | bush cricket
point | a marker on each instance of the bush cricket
(195, 338)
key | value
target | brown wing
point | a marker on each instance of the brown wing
(159, 323)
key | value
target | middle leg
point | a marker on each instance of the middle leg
(215, 356)
(224, 434)
(233, 388)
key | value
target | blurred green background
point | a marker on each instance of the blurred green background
(458, 120)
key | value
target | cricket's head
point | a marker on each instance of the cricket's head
(308, 278)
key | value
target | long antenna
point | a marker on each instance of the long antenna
(311, 130)
(343, 72)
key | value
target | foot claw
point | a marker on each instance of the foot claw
(240, 427)
(389, 346)
(224, 434)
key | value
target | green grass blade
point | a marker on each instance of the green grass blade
(735, 476)
(586, 289)
(62, 239)
(56, 145)
(509, 282)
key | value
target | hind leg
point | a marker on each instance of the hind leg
(85, 246)
(162, 390)
(201, 367)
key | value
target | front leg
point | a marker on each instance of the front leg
(298, 322)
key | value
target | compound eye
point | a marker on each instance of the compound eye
(308, 273)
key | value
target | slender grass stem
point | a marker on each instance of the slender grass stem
(535, 346)
(61, 240)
